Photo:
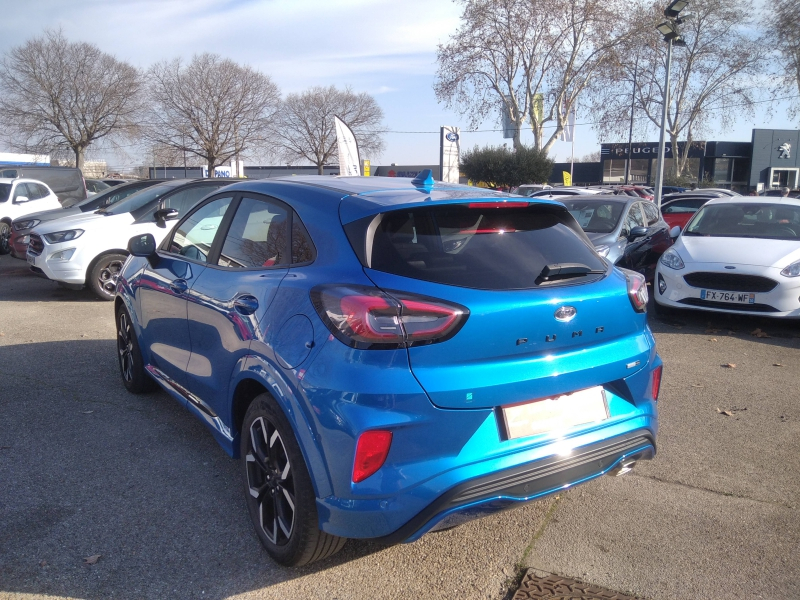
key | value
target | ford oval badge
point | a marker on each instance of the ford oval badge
(566, 313)
(451, 137)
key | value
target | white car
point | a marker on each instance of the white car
(90, 249)
(736, 255)
(559, 192)
(21, 197)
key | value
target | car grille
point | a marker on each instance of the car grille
(730, 282)
(35, 246)
(729, 305)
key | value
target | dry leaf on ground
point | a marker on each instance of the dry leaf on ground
(697, 385)
(728, 366)
(727, 413)
(91, 560)
(712, 339)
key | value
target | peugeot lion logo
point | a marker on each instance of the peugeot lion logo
(785, 150)
(451, 137)
(566, 313)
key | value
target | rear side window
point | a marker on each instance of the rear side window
(651, 212)
(478, 245)
(258, 236)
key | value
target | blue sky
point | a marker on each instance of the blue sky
(381, 47)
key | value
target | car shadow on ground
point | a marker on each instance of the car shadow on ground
(765, 330)
(20, 284)
(90, 470)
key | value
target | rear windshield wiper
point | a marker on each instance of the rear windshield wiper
(560, 271)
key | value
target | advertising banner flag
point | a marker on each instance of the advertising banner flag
(349, 163)
(538, 107)
(567, 177)
(449, 151)
(568, 134)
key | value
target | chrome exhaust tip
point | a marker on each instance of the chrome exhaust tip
(622, 468)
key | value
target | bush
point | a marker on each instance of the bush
(501, 167)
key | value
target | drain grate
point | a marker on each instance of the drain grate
(561, 588)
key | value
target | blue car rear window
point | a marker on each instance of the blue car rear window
(476, 245)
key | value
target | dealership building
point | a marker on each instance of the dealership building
(769, 160)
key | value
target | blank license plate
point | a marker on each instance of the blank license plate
(734, 297)
(556, 414)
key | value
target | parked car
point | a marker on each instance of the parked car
(20, 197)
(66, 182)
(89, 249)
(694, 193)
(113, 181)
(736, 255)
(672, 189)
(529, 189)
(558, 192)
(639, 191)
(627, 231)
(387, 362)
(22, 226)
(680, 209)
(95, 186)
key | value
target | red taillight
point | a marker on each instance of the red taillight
(366, 318)
(371, 452)
(657, 381)
(637, 290)
(498, 205)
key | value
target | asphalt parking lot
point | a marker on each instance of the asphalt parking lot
(88, 470)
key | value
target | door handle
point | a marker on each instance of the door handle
(246, 304)
(179, 286)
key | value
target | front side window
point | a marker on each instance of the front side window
(258, 236)
(5, 191)
(21, 190)
(195, 235)
(634, 218)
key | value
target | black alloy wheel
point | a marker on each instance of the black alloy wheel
(131, 366)
(5, 238)
(104, 275)
(279, 492)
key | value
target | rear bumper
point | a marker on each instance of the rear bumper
(514, 487)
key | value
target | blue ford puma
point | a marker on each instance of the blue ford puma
(388, 357)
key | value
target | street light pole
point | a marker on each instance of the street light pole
(664, 108)
(630, 131)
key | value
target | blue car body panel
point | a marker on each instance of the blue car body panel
(441, 401)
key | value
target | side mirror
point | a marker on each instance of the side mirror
(674, 232)
(637, 232)
(142, 245)
(165, 214)
(20, 199)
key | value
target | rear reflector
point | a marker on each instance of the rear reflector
(657, 381)
(371, 452)
(498, 205)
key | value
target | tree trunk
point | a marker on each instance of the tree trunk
(517, 136)
(321, 168)
(211, 166)
(79, 150)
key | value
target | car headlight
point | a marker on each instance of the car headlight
(29, 224)
(672, 259)
(63, 236)
(602, 250)
(793, 270)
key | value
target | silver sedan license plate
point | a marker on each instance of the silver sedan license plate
(733, 297)
(556, 414)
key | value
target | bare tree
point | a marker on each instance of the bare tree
(532, 58)
(212, 108)
(714, 78)
(306, 130)
(57, 95)
(784, 36)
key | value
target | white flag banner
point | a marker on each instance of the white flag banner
(449, 151)
(568, 134)
(349, 163)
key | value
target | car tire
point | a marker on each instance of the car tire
(131, 364)
(104, 273)
(5, 238)
(280, 496)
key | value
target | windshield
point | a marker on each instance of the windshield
(140, 199)
(595, 217)
(747, 220)
(5, 191)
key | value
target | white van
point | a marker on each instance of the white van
(20, 197)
